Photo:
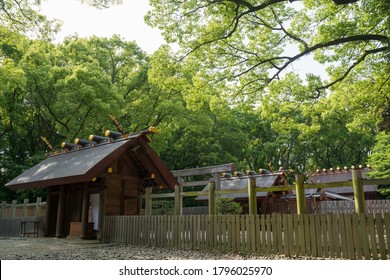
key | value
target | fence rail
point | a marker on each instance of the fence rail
(349, 236)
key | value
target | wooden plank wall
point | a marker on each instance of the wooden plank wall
(347, 236)
(25, 209)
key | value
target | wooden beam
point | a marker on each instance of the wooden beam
(358, 192)
(229, 167)
(376, 181)
(194, 183)
(195, 193)
(121, 177)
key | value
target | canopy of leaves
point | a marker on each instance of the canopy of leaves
(226, 95)
(249, 44)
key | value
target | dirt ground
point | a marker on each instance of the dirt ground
(77, 249)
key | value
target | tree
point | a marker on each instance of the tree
(23, 16)
(227, 205)
(101, 4)
(246, 49)
(381, 161)
(252, 43)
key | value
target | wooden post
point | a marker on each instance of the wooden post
(2, 209)
(13, 209)
(300, 193)
(47, 212)
(178, 201)
(84, 213)
(358, 191)
(25, 207)
(252, 196)
(212, 199)
(148, 201)
(61, 213)
(38, 207)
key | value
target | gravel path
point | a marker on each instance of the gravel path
(77, 249)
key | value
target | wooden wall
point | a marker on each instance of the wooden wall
(122, 189)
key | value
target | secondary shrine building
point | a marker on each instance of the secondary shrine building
(93, 178)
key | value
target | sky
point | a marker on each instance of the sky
(127, 20)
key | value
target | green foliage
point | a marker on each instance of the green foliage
(23, 16)
(380, 157)
(226, 205)
(102, 4)
(162, 206)
(380, 160)
(225, 96)
(244, 45)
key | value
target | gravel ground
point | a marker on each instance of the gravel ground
(77, 249)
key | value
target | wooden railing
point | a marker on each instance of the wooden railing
(357, 184)
(347, 236)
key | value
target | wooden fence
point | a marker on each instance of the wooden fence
(290, 207)
(12, 215)
(348, 236)
(24, 209)
(11, 227)
(332, 207)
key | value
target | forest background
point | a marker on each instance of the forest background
(224, 93)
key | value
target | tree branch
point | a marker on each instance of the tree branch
(356, 63)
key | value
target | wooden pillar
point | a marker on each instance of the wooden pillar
(148, 201)
(300, 193)
(252, 196)
(212, 199)
(358, 191)
(48, 212)
(178, 201)
(61, 212)
(84, 213)
(102, 212)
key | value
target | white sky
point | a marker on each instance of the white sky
(127, 20)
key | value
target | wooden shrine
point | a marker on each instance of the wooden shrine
(90, 179)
